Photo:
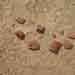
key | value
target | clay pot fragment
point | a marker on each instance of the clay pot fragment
(55, 46)
(71, 35)
(33, 45)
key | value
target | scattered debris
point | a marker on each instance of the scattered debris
(20, 35)
(67, 44)
(34, 45)
(55, 46)
(20, 20)
(40, 29)
(71, 35)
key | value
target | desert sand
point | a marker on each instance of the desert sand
(55, 16)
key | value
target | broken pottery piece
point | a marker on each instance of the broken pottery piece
(33, 45)
(71, 35)
(55, 46)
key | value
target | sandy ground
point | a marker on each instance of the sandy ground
(55, 15)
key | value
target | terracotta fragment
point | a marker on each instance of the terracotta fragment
(71, 35)
(68, 44)
(34, 45)
(55, 46)
(20, 35)
(20, 20)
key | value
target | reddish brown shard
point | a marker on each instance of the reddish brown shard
(55, 46)
(20, 35)
(34, 45)
(68, 44)
(20, 20)
(40, 29)
(71, 35)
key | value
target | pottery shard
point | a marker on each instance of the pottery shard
(20, 35)
(55, 46)
(40, 29)
(67, 44)
(71, 35)
(20, 20)
(34, 45)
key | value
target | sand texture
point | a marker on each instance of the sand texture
(55, 16)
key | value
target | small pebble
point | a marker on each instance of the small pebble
(20, 20)
(20, 35)
(67, 44)
(40, 29)
(55, 46)
(71, 35)
(34, 45)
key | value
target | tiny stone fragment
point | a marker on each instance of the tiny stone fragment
(55, 46)
(20, 35)
(34, 45)
(68, 44)
(20, 20)
(40, 29)
(71, 35)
